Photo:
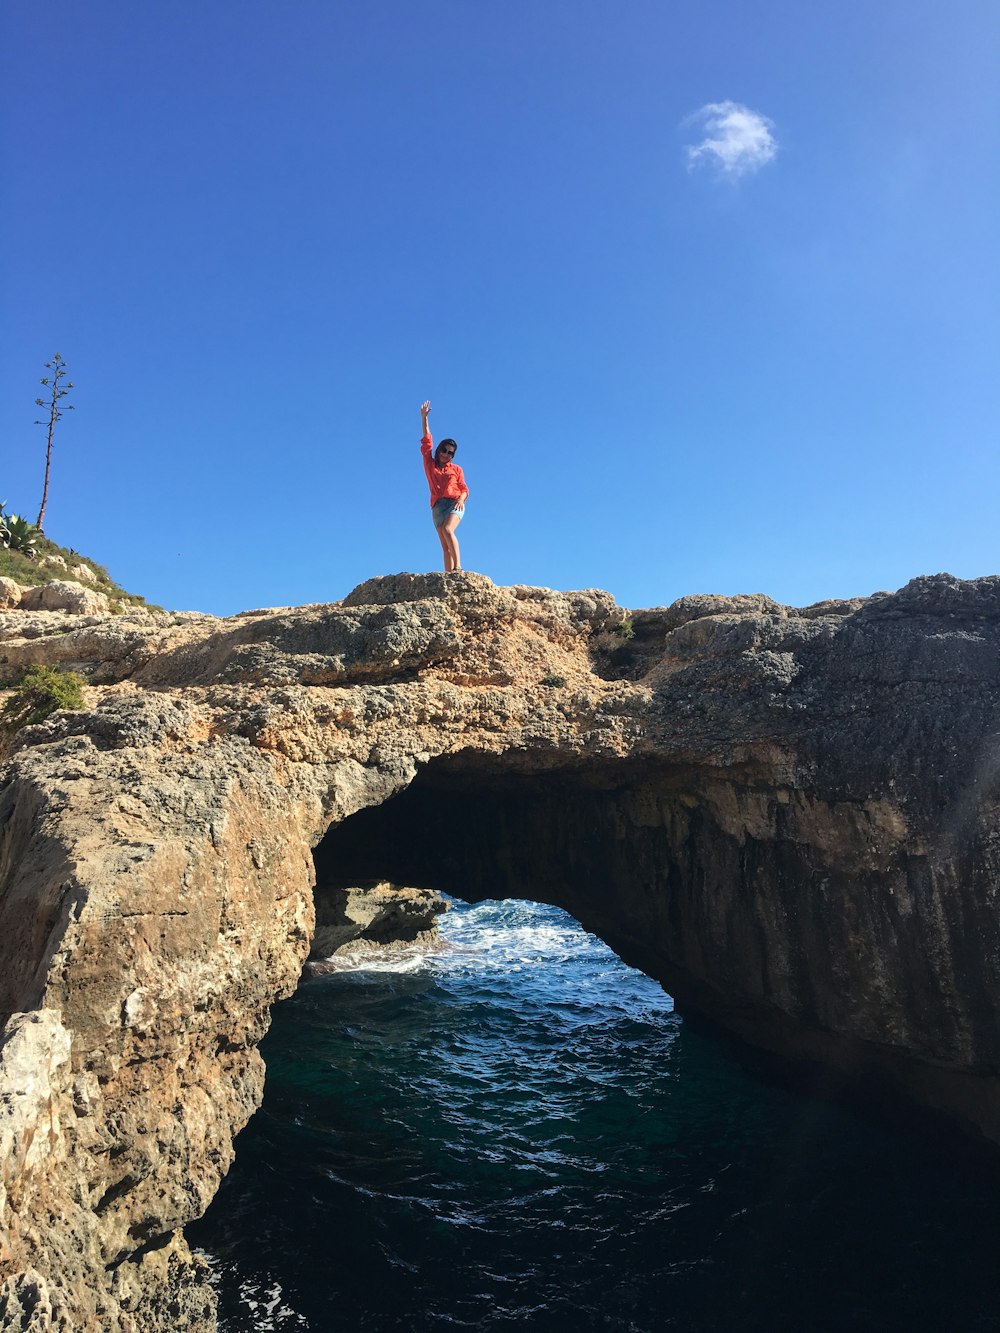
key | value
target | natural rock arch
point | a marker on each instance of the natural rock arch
(789, 817)
(783, 920)
(468, 826)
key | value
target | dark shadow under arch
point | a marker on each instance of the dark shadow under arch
(656, 861)
(475, 829)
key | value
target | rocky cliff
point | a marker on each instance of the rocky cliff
(788, 816)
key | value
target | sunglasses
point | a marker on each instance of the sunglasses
(448, 453)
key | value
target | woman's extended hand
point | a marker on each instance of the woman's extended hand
(425, 410)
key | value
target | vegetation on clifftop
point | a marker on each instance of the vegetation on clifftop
(26, 555)
(32, 570)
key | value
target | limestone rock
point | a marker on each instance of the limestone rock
(83, 572)
(379, 916)
(791, 818)
(11, 594)
(65, 596)
(699, 605)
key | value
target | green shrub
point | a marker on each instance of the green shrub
(607, 644)
(553, 682)
(41, 692)
(614, 651)
(612, 642)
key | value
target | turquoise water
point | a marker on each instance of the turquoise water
(518, 1132)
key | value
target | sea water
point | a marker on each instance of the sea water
(518, 1132)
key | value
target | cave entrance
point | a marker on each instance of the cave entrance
(477, 831)
(439, 1126)
(512, 1132)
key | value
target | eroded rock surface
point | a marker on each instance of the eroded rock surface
(788, 816)
(374, 917)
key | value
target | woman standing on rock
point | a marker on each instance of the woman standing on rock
(448, 491)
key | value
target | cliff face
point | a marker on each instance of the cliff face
(789, 817)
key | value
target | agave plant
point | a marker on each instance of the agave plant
(4, 530)
(17, 534)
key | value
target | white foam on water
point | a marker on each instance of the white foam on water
(494, 933)
(391, 960)
(263, 1300)
(508, 936)
(513, 933)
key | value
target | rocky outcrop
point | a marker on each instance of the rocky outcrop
(57, 594)
(788, 816)
(11, 593)
(364, 918)
(61, 595)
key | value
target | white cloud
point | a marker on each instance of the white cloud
(737, 141)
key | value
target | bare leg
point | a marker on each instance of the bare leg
(449, 541)
(446, 544)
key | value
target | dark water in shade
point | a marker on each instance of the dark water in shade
(519, 1133)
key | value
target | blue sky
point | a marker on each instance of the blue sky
(261, 233)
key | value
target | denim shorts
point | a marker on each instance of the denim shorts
(443, 510)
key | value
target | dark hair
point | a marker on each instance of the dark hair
(441, 444)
